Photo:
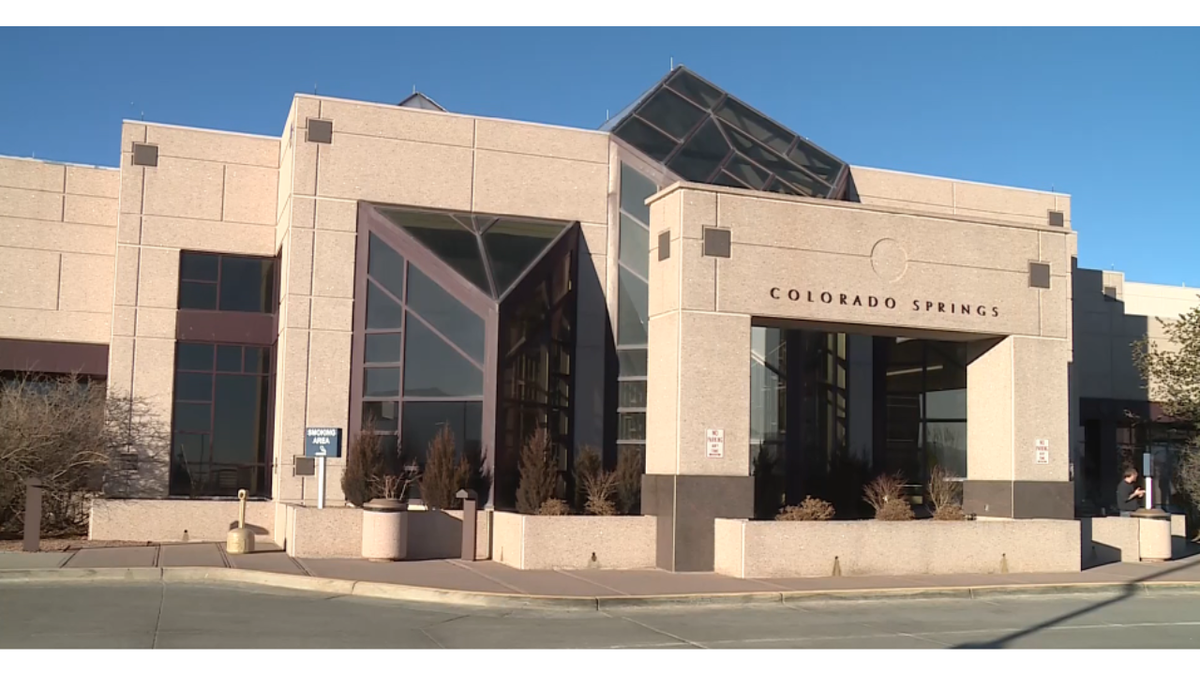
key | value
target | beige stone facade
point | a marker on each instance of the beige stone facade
(94, 276)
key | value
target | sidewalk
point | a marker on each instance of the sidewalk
(491, 583)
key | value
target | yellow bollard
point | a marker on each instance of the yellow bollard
(240, 539)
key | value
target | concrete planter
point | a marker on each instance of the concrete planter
(573, 542)
(384, 530)
(765, 549)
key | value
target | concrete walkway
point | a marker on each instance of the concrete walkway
(487, 582)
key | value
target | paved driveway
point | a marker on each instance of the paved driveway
(94, 615)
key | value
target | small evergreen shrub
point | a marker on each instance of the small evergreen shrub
(554, 507)
(631, 466)
(809, 509)
(538, 473)
(445, 472)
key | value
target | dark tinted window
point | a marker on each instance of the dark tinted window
(701, 155)
(424, 419)
(459, 324)
(646, 138)
(635, 190)
(695, 89)
(193, 387)
(635, 246)
(246, 284)
(671, 112)
(447, 239)
(633, 362)
(384, 413)
(198, 266)
(382, 311)
(229, 359)
(432, 368)
(381, 382)
(632, 310)
(227, 283)
(193, 356)
(513, 245)
(631, 426)
(196, 295)
(741, 169)
(193, 416)
(385, 266)
(381, 348)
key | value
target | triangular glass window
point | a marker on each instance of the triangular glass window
(434, 369)
(382, 312)
(385, 266)
(446, 238)
(512, 245)
(449, 316)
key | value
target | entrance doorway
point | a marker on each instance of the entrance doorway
(831, 410)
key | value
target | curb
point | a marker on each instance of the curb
(426, 595)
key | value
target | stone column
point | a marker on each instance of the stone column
(698, 380)
(1017, 395)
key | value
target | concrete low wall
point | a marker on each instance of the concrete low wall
(1115, 539)
(169, 519)
(336, 532)
(574, 542)
(766, 549)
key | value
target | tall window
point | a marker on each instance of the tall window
(423, 357)
(633, 307)
(222, 419)
(227, 283)
(926, 407)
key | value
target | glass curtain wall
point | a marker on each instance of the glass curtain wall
(926, 399)
(633, 307)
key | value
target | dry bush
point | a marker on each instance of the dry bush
(809, 509)
(885, 494)
(895, 509)
(950, 512)
(554, 507)
(631, 465)
(364, 464)
(600, 487)
(79, 442)
(445, 473)
(538, 473)
(588, 463)
(884, 489)
(945, 492)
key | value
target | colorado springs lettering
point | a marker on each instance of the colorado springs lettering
(828, 298)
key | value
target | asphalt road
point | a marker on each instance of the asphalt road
(124, 615)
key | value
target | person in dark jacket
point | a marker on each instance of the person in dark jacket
(1129, 493)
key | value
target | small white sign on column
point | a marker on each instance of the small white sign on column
(715, 443)
(1041, 451)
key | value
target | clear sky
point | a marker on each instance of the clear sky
(1111, 116)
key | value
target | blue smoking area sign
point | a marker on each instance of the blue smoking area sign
(322, 442)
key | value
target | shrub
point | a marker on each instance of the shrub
(945, 494)
(896, 509)
(538, 473)
(364, 465)
(631, 465)
(446, 472)
(588, 463)
(599, 487)
(78, 440)
(951, 512)
(809, 509)
(885, 494)
(554, 507)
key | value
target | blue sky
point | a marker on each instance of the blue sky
(1110, 116)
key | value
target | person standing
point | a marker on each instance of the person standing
(1129, 493)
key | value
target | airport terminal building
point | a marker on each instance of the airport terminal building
(693, 279)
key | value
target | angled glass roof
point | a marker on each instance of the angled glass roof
(704, 135)
(492, 252)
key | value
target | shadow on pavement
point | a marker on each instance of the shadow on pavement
(1127, 591)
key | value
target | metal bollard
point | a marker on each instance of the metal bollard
(33, 515)
(470, 519)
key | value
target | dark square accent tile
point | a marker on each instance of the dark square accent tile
(320, 131)
(716, 242)
(305, 466)
(145, 155)
(1110, 293)
(664, 244)
(1057, 219)
(1039, 275)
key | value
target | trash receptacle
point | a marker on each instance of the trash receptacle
(1154, 535)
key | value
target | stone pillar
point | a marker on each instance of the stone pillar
(698, 380)
(1017, 395)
